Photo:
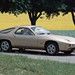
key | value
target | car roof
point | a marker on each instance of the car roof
(28, 26)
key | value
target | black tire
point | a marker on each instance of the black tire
(52, 48)
(0, 50)
(68, 52)
(5, 46)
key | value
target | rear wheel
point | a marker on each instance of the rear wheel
(52, 48)
(5, 46)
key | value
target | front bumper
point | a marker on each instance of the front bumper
(66, 46)
(71, 47)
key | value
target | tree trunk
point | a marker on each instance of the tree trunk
(33, 16)
(73, 17)
(33, 21)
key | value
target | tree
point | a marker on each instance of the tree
(10, 6)
(34, 8)
(69, 7)
(4, 6)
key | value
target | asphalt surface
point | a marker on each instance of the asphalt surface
(43, 56)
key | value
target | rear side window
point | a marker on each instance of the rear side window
(6, 30)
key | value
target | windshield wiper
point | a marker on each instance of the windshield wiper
(42, 33)
(45, 33)
(48, 33)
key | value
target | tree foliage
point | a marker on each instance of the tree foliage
(34, 8)
(4, 6)
(69, 7)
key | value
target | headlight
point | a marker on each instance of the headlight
(71, 45)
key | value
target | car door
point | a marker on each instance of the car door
(19, 39)
(30, 38)
(25, 37)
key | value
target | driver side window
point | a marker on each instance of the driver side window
(24, 31)
(20, 31)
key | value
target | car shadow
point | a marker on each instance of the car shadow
(42, 53)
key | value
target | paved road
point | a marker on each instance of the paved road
(43, 56)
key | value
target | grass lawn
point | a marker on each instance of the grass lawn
(19, 65)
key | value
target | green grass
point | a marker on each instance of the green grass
(19, 65)
(64, 32)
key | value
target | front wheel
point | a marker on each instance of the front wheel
(5, 46)
(52, 48)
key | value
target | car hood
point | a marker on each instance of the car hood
(59, 38)
(67, 38)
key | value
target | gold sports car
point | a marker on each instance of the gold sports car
(35, 37)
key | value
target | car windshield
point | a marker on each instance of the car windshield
(40, 31)
(6, 30)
